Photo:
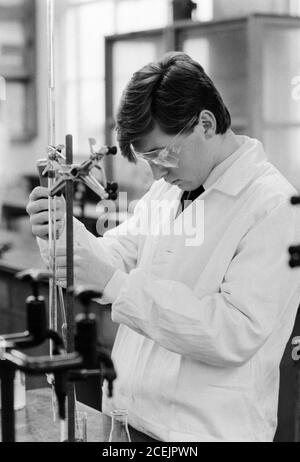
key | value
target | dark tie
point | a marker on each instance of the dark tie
(189, 196)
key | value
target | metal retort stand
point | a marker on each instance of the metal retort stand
(88, 359)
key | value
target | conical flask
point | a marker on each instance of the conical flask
(119, 427)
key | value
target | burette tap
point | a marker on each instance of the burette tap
(83, 172)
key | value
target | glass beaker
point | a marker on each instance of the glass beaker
(119, 427)
(20, 390)
(80, 428)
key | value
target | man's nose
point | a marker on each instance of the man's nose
(158, 171)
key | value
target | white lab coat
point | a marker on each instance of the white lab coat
(203, 327)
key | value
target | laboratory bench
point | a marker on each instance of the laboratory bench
(35, 423)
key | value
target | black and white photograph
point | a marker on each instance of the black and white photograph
(149, 224)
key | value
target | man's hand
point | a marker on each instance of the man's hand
(88, 268)
(37, 208)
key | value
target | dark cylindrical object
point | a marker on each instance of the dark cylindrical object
(112, 150)
(295, 200)
(294, 262)
(69, 245)
(295, 249)
(61, 389)
(41, 164)
(70, 283)
(112, 189)
(86, 339)
(294, 252)
(37, 318)
(7, 404)
(182, 9)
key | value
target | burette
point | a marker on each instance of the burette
(51, 170)
(54, 289)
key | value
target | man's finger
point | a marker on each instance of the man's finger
(37, 206)
(40, 230)
(38, 193)
(39, 218)
(41, 205)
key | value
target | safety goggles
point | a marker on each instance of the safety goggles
(169, 156)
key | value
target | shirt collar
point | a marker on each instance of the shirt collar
(234, 173)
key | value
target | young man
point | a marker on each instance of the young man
(203, 321)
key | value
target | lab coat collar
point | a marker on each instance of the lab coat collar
(235, 172)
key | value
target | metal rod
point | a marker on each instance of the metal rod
(51, 180)
(7, 405)
(70, 283)
(95, 186)
(52, 263)
(51, 173)
(51, 73)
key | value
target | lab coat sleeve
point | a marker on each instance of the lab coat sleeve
(118, 247)
(225, 328)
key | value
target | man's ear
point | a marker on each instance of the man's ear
(208, 123)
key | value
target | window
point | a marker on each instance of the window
(83, 24)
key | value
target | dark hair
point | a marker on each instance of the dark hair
(168, 92)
